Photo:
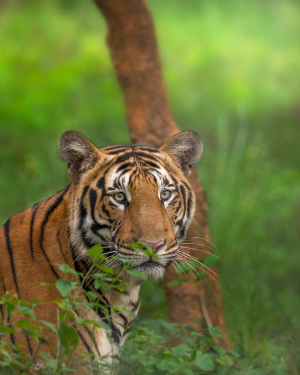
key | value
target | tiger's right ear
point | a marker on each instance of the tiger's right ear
(185, 149)
(78, 152)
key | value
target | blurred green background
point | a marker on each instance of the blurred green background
(232, 70)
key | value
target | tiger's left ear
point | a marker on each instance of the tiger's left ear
(185, 149)
(78, 152)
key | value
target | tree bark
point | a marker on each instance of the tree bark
(133, 47)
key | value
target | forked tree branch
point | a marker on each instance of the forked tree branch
(133, 47)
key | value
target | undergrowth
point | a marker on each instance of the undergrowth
(147, 351)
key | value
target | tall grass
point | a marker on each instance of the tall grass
(257, 241)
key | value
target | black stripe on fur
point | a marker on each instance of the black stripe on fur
(50, 210)
(10, 252)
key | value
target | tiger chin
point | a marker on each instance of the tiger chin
(118, 195)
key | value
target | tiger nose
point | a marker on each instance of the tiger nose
(154, 245)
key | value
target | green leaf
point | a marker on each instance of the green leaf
(33, 304)
(225, 360)
(7, 329)
(67, 269)
(149, 252)
(95, 252)
(98, 275)
(215, 332)
(24, 323)
(136, 245)
(64, 315)
(137, 273)
(81, 320)
(26, 311)
(144, 248)
(162, 365)
(123, 260)
(205, 362)
(27, 332)
(233, 353)
(105, 269)
(120, 288)
(177, 282)
(50, 325)
(99, 284)
(64, 286)
(10, 307)
(44, 355)
(68, 336)
(166, 356)
(91, 295)
(109, 279)
(129, 312)
(218, 349)
(193, 355)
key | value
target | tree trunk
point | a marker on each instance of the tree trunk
(133, 47)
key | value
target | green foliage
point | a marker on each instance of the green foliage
(146, 351)
(196, 353)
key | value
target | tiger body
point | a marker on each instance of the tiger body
(118, 195)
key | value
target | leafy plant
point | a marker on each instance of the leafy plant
(146, 350)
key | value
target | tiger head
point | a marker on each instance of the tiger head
(124, 194)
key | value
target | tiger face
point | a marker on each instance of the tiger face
(124, 194)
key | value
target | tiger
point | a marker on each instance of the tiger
(118, 195)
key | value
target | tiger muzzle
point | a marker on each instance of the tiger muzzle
(155, 246)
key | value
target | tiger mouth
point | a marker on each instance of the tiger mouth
(151, 269)
(149, 264)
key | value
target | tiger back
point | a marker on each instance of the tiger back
(118, 195)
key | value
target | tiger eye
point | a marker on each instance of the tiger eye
(119, 197)
(165, 194)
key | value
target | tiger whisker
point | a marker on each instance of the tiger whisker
(113, 263)
(203, 270)
(89, 260)
(197, 244)
(179, 270)
(203, 251)
(109, 262)
(81, 255)
(188, 256)
(190, 265)
(78, 256)
(204, 239)
(110, 252)
(192, 262)
(202, 266)
(195, 260)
